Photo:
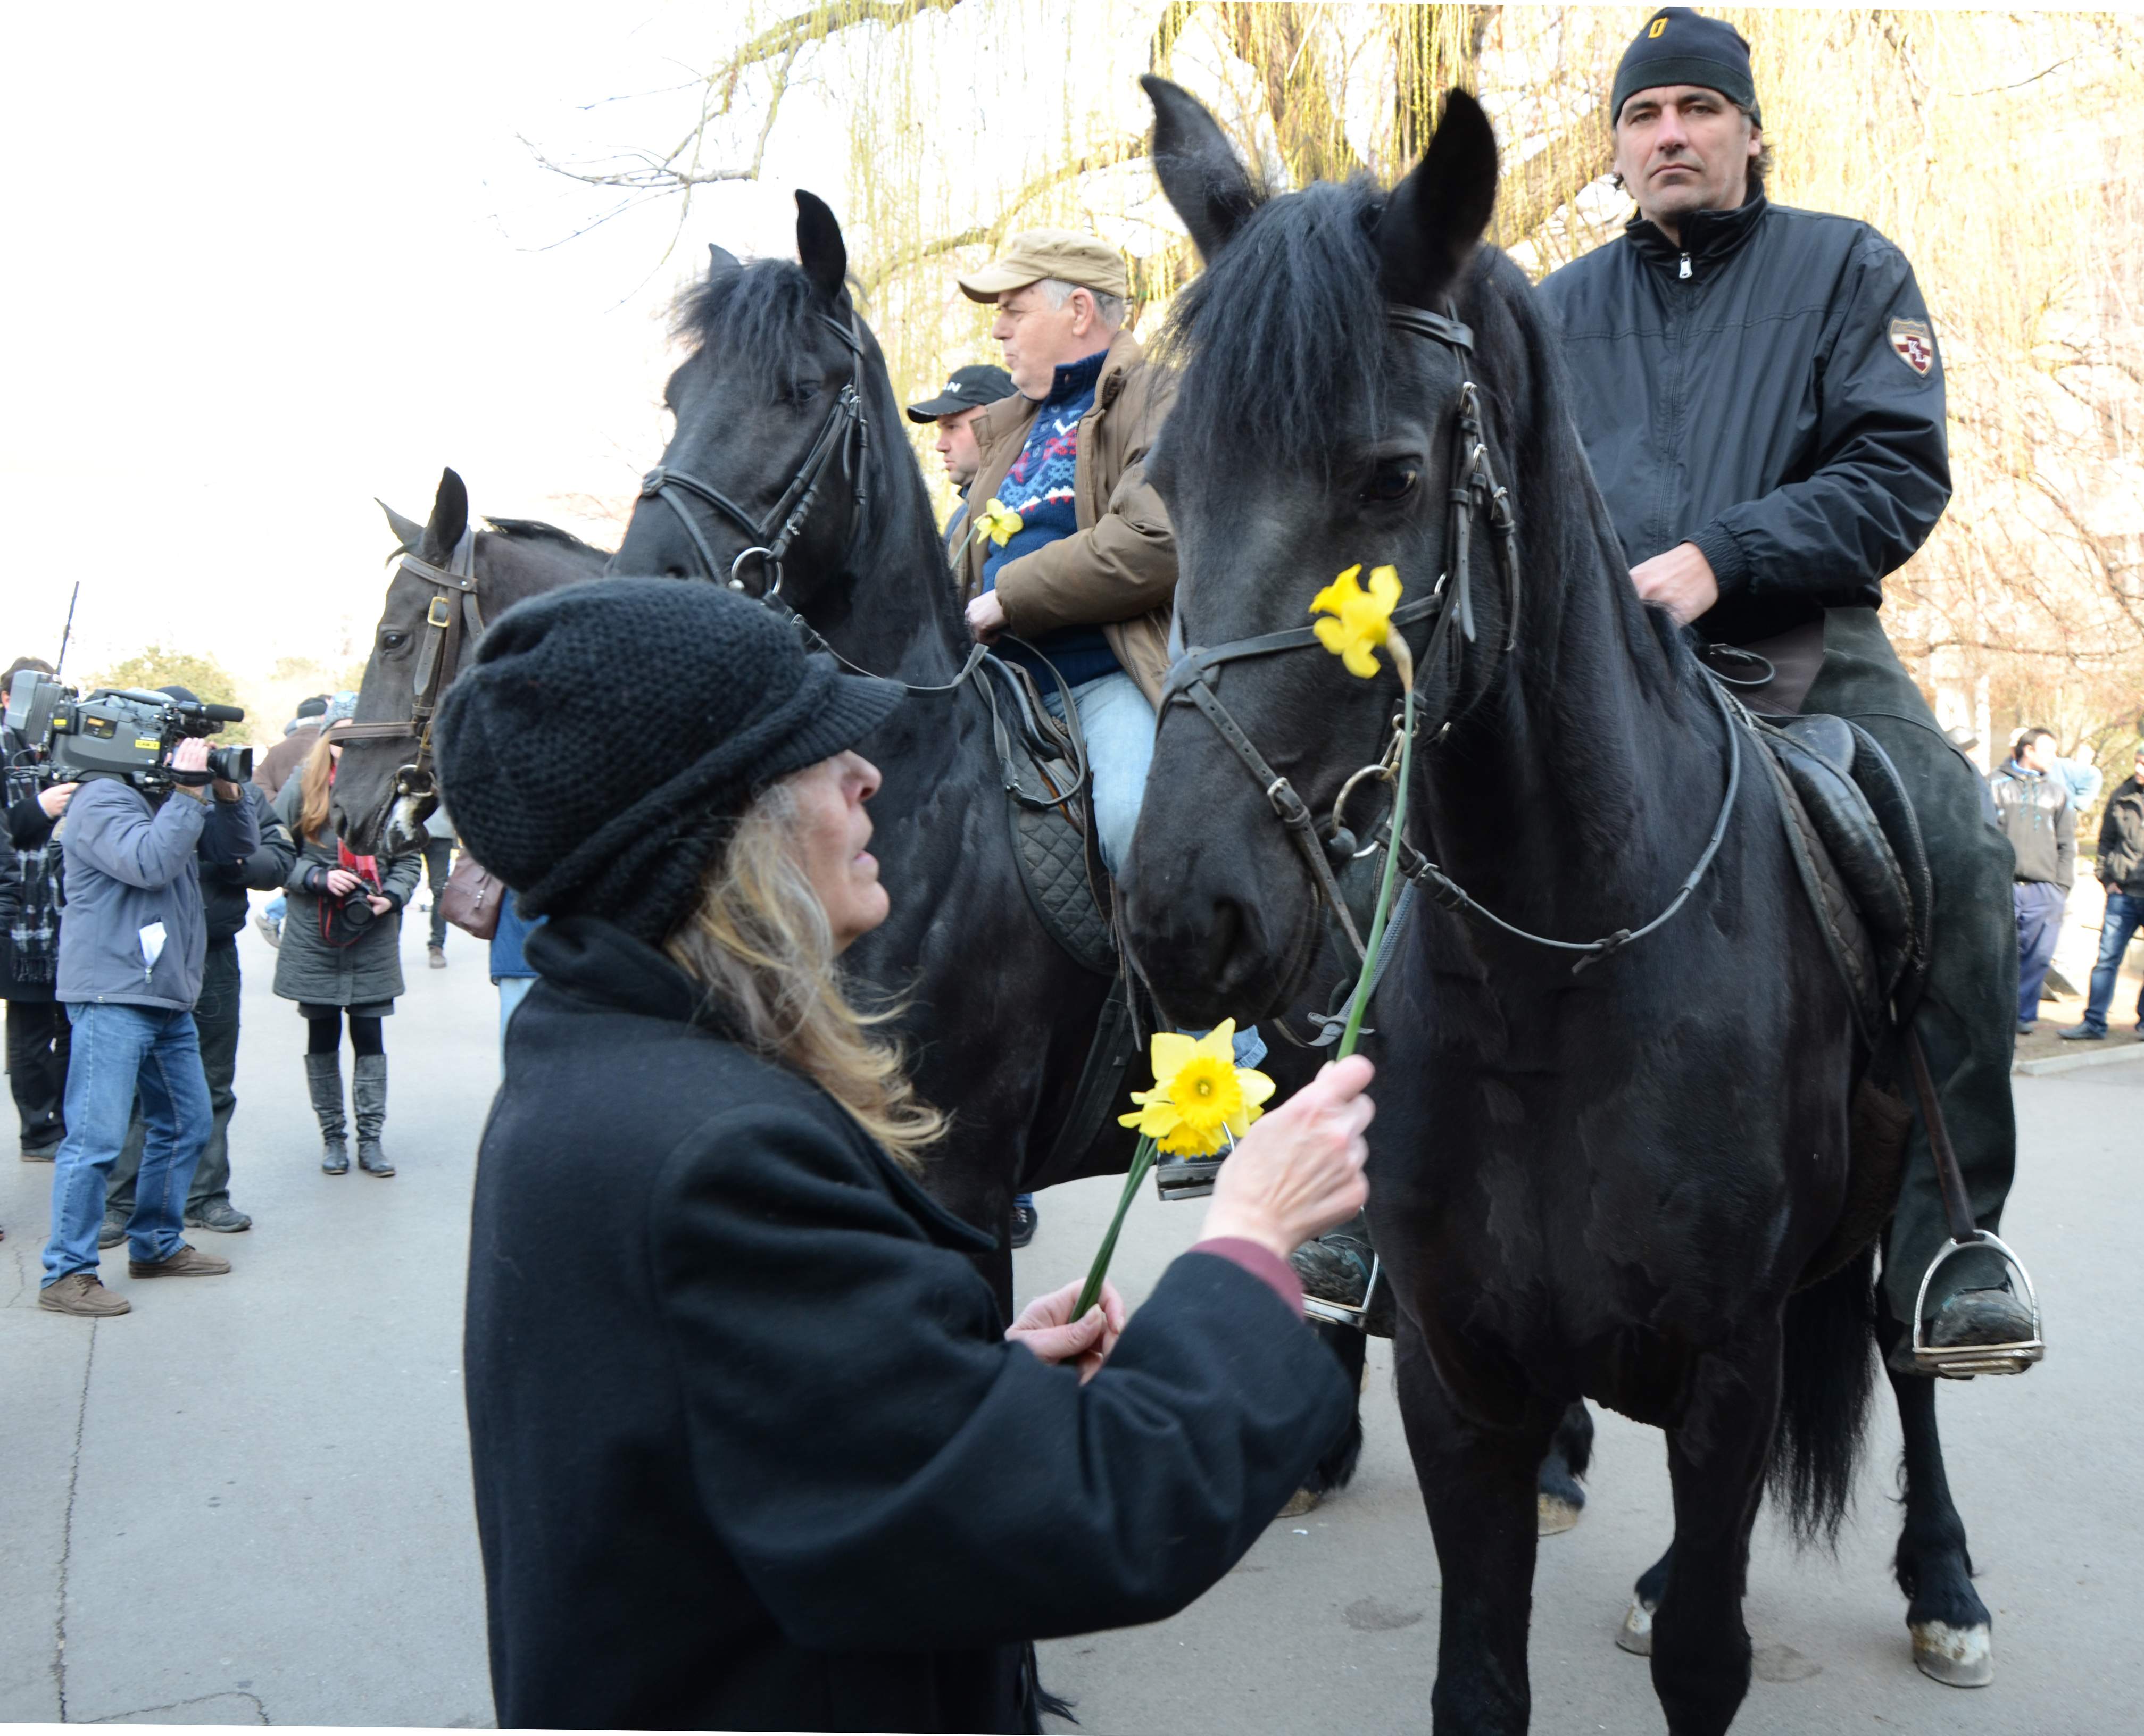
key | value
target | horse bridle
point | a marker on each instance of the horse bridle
(846, 434)
(454, 620)
(1474, 488)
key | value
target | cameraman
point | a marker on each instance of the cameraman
(130, 956)
(224, 886)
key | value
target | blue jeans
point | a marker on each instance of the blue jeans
(2039, 906)
(117, 1051)
(513, 990)
(2125, 915)
(1118, 725)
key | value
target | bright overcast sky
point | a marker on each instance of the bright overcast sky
(268, 262)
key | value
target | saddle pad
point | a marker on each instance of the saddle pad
(1052, 859)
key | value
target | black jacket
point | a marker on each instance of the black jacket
(2035, 815)
(751, 1451)
(224, 884)
(1764, 407)
(2122, 840)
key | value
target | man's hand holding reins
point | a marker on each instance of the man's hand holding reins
(1682, 582)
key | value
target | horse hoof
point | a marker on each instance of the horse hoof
(1956, 1657)
(1302, 1501)
(1636, 1636)
(1556, 1516)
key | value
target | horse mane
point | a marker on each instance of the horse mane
(535, 530)
(758, 316)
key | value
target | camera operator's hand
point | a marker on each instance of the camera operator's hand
(189, 759)
(54, 801)
(342, 882)
(380, 906)
(226, 791)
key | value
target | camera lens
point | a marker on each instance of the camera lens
(233, 765)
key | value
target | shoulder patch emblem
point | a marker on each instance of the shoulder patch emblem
(1914, 343)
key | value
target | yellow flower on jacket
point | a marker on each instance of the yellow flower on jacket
(1360, 619)
(1200, 1096)
(998, 522)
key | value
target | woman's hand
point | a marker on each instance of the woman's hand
(1043, 1327)
(380, 906)
(1299, 1171)
(342, 882)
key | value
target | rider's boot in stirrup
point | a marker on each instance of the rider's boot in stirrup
(1979, 1329)
(1336, 1272)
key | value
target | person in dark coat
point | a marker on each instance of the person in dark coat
(30, 877)
(1760, 392)
(331, 975)
(753, 1448)
(2121, 866)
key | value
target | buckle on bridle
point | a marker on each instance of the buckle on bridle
(441, 614)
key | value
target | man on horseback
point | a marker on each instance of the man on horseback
(1761, 393)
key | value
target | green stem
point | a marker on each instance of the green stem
(1362, 1001)
(1090, 1293)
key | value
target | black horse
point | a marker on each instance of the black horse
(375, 807)
(786, 412)
(1639, 1180)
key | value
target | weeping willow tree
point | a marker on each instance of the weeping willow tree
(2000, 149)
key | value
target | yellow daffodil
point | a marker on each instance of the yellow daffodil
(998, 521)
(1361, 620)
(1199, 1094)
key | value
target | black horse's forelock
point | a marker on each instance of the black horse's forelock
(758, 318)
(1284, 329)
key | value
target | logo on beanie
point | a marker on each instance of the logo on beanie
(1913, 343)
(1660, 24)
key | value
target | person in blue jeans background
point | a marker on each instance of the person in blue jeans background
(2121, 872)
(510, 969)
(132, 952)
(2032, 806)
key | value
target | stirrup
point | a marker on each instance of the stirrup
(1961, 1361)
(1347, 1314)
(1185, 1177)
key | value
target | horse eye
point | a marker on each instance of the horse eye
(1390, 482)
(392, 642)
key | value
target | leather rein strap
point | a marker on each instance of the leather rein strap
(454, 621)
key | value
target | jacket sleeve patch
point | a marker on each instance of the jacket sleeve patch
(1914, 344)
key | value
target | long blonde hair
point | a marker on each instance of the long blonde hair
(314, 788)
(760, 941)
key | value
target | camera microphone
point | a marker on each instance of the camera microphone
(224, 713)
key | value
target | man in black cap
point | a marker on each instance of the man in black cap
(1761, 393)
(968, 394)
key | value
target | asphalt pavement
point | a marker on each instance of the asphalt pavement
(248, 1501)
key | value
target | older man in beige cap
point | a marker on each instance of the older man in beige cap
(1087, 577)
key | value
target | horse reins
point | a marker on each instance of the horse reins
(454, 619)
(1474, 490)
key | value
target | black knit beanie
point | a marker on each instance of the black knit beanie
(607, 731)
(1681, 46)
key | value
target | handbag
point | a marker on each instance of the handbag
(472, 897)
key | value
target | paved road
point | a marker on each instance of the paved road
(248, 1501)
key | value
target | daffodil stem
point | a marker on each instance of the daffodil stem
(1370, 947)
(1090, 1293)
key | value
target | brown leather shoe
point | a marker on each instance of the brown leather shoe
(188, 1263)
(83, 1293)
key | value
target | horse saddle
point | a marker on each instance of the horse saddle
(1044, 765)
(1857, 848)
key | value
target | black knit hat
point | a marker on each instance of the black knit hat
(1681, 46)
(607, 731)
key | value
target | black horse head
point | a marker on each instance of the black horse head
(766, 482)
(1313, 432)
(375, 807)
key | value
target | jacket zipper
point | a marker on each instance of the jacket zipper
(1685, 272)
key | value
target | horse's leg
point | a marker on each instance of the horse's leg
(1717, 1453)
(1636, 1636)
(1562, 1495)
(1337, 1469)
(1478, 1485)
(1952, 1639)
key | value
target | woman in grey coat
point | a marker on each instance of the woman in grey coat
(358, 980)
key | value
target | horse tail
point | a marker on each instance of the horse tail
(1827, 1370)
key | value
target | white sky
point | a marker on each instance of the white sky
(267, 262)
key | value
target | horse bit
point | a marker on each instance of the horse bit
(447, 629)
(1474, 488)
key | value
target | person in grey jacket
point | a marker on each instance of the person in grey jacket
(360, 980)
(131, 951)
(2033, 806)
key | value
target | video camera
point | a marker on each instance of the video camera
(123, 732)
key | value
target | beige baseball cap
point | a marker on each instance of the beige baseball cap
(1064, 254)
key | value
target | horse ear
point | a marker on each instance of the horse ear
(824, 254)
(1198, 170)
(720, 261)
(408, 532)
(1434, 217)
(449, 519)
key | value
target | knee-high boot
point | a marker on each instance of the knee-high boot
(324, 1074)
(368, 1090)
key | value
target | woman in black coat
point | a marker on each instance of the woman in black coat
(751, 1447)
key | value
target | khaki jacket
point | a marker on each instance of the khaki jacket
(1118, 570)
